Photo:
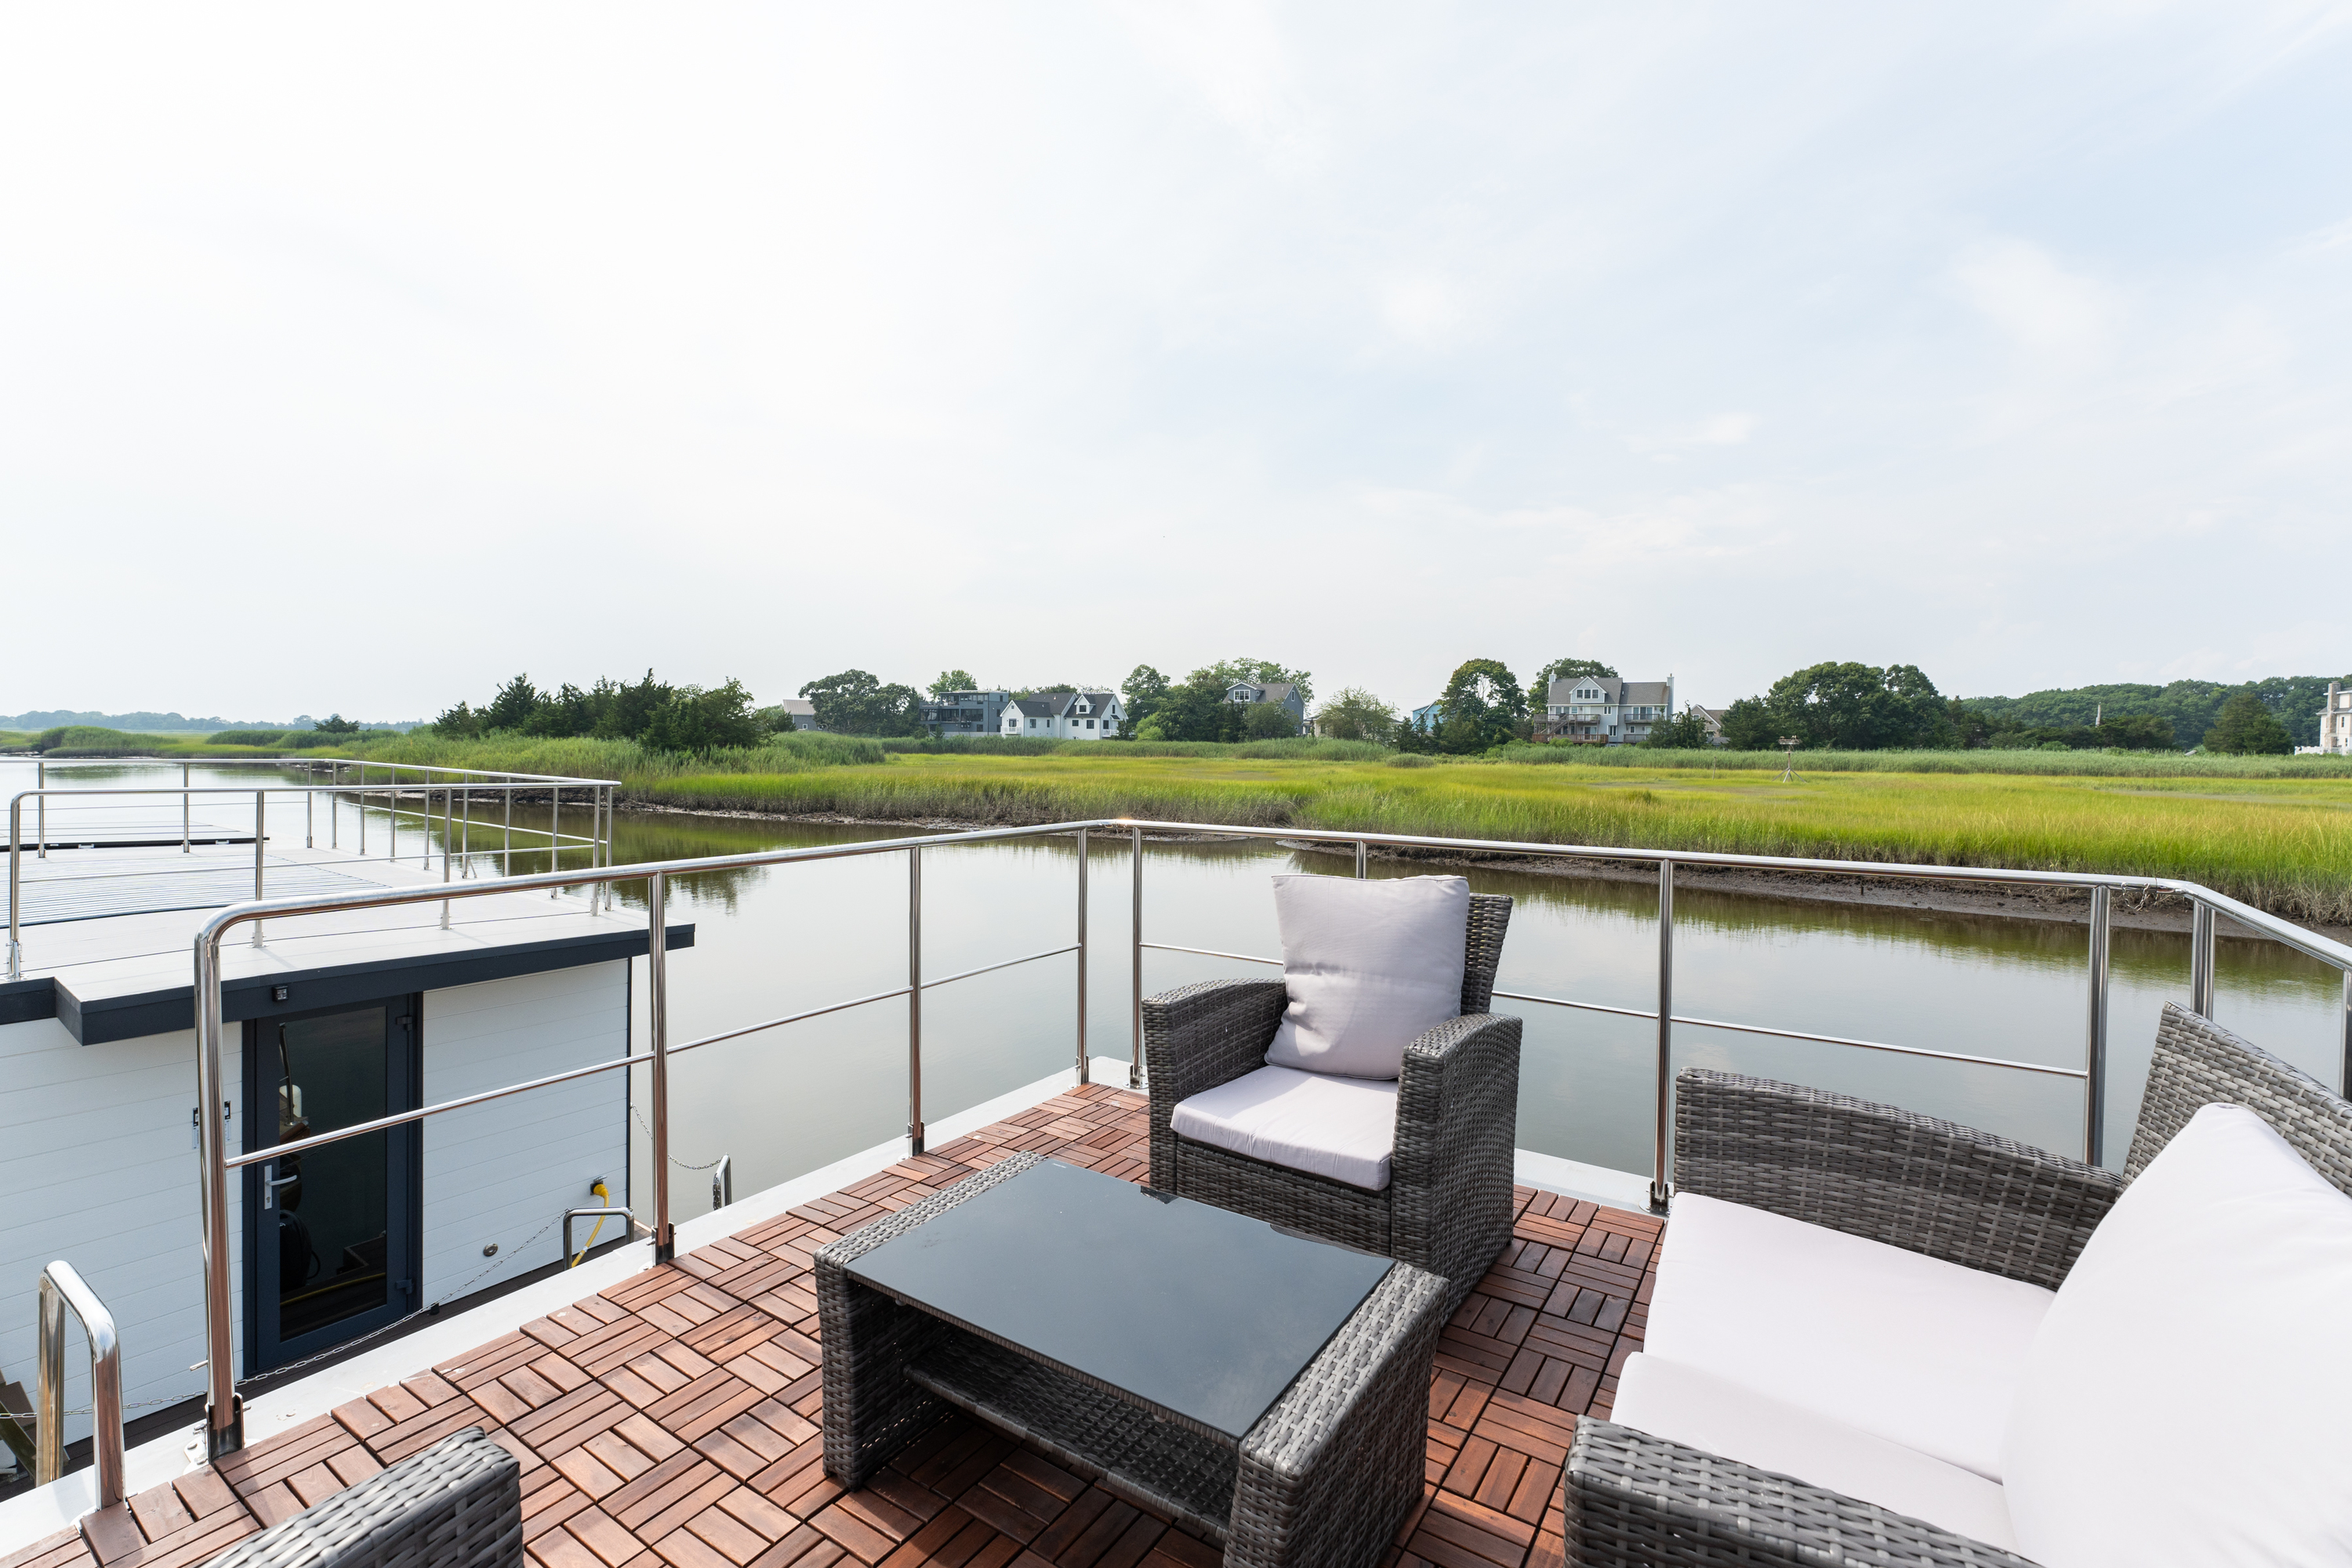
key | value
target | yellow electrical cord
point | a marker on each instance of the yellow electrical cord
(598, 1190)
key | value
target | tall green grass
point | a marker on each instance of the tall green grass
(2117, 764)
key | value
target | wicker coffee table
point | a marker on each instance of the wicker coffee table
(1268, 1390)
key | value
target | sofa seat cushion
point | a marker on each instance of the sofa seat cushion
(1667, 1399)
(1370, 966)
(1920, 1351)
(2185, 1400)
(1342, 1128)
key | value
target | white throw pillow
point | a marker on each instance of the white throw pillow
(1369, 965)
(2186, 1398)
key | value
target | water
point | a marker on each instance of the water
(773, 941)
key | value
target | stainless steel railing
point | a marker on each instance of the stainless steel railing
(457, 791)
(224, 1420)
(62, 1288)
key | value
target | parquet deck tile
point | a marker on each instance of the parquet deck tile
(673, 1421)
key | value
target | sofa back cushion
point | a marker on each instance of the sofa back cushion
(2185, 1400)
(1370, 964)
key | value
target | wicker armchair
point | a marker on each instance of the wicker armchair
(459, 1504)
(1913, 1182)
(1447, 1206)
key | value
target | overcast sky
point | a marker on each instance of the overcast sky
(359, 357)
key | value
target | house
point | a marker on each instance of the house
(1426, 720)
(966, 713)
(800, 711)
(2335, 719)
(1710, 717)
(1063, 716)
(1281, 693)
(1604, 710)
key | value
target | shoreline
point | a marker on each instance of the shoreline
(2126, 911)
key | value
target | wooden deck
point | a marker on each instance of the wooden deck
(673, 1421)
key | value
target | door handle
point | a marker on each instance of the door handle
(271, 1181)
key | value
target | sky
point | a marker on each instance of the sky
(358, 358)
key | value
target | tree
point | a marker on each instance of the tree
(855, 703)
(1747, 726)
(1145, 689)
(2246, 726)
(511, 708)
(1355, 714)
(952, 681)
(1483, 708)
(1540, 688)
(1198, 711)
(336, 724)
(1687, 734)
(459, 722)
(1266, 720)
(694, 720)
(1857, 707)
(624, 712)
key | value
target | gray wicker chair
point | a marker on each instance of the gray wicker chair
(459, 1504)
(1447, 1206)
(1912, 1182)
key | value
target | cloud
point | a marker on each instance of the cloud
(1234, 54)
(2047, 313)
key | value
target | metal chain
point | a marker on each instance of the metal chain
(673, 1159)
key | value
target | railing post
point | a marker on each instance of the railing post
(506, 841)
(448, 832)
(16, 885)
(657, 1010)
(224, 1415)
(2094, 1045)
(260, 839)
(335, 808)
(915, 1001)
(555, 826)
(184, 809)
(466, 832)
(41, 810)
(362, 795)
(1135, 943)
(2343, 1036)
(2200, 958)
(1660, 1187)
(62, 1286)
(1364, 859)
(309, 818)
(1084, 1076)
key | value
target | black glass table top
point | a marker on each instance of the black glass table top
(1205, 1314)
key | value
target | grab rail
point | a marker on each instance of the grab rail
(61, 1287)
(223, 1418)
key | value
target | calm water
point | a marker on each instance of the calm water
(779, 940)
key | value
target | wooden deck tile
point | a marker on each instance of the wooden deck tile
(672, 1422)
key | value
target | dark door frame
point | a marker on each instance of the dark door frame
(403, 1187)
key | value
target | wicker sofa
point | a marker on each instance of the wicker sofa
(2002, 1210)
(1447, 1205)
(459, 1504)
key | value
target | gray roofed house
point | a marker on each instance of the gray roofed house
(1064, 716)
(1281, 693)
(1605, 710)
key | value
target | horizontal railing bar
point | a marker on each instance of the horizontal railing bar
(308, 763)
(1209, 953)
(1882, 1045)
(992, 968)
(412, 787)
(790, 1018)
(2282, 931)
(1581, 1007)
(320, 1141)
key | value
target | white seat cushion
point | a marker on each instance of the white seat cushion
(1922, 1353)
(1343, 1128)
(2186, 1400)
(1368, 966)
(1667, 1399)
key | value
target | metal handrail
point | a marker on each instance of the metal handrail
(224, 1420)
(61, 1287)
(455, 829)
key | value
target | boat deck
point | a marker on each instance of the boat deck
(675, 1418)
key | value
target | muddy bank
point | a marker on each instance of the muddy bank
(2136, 911)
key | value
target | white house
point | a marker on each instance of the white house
(1606, 711)
(1064, 716)
(2336, 721)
